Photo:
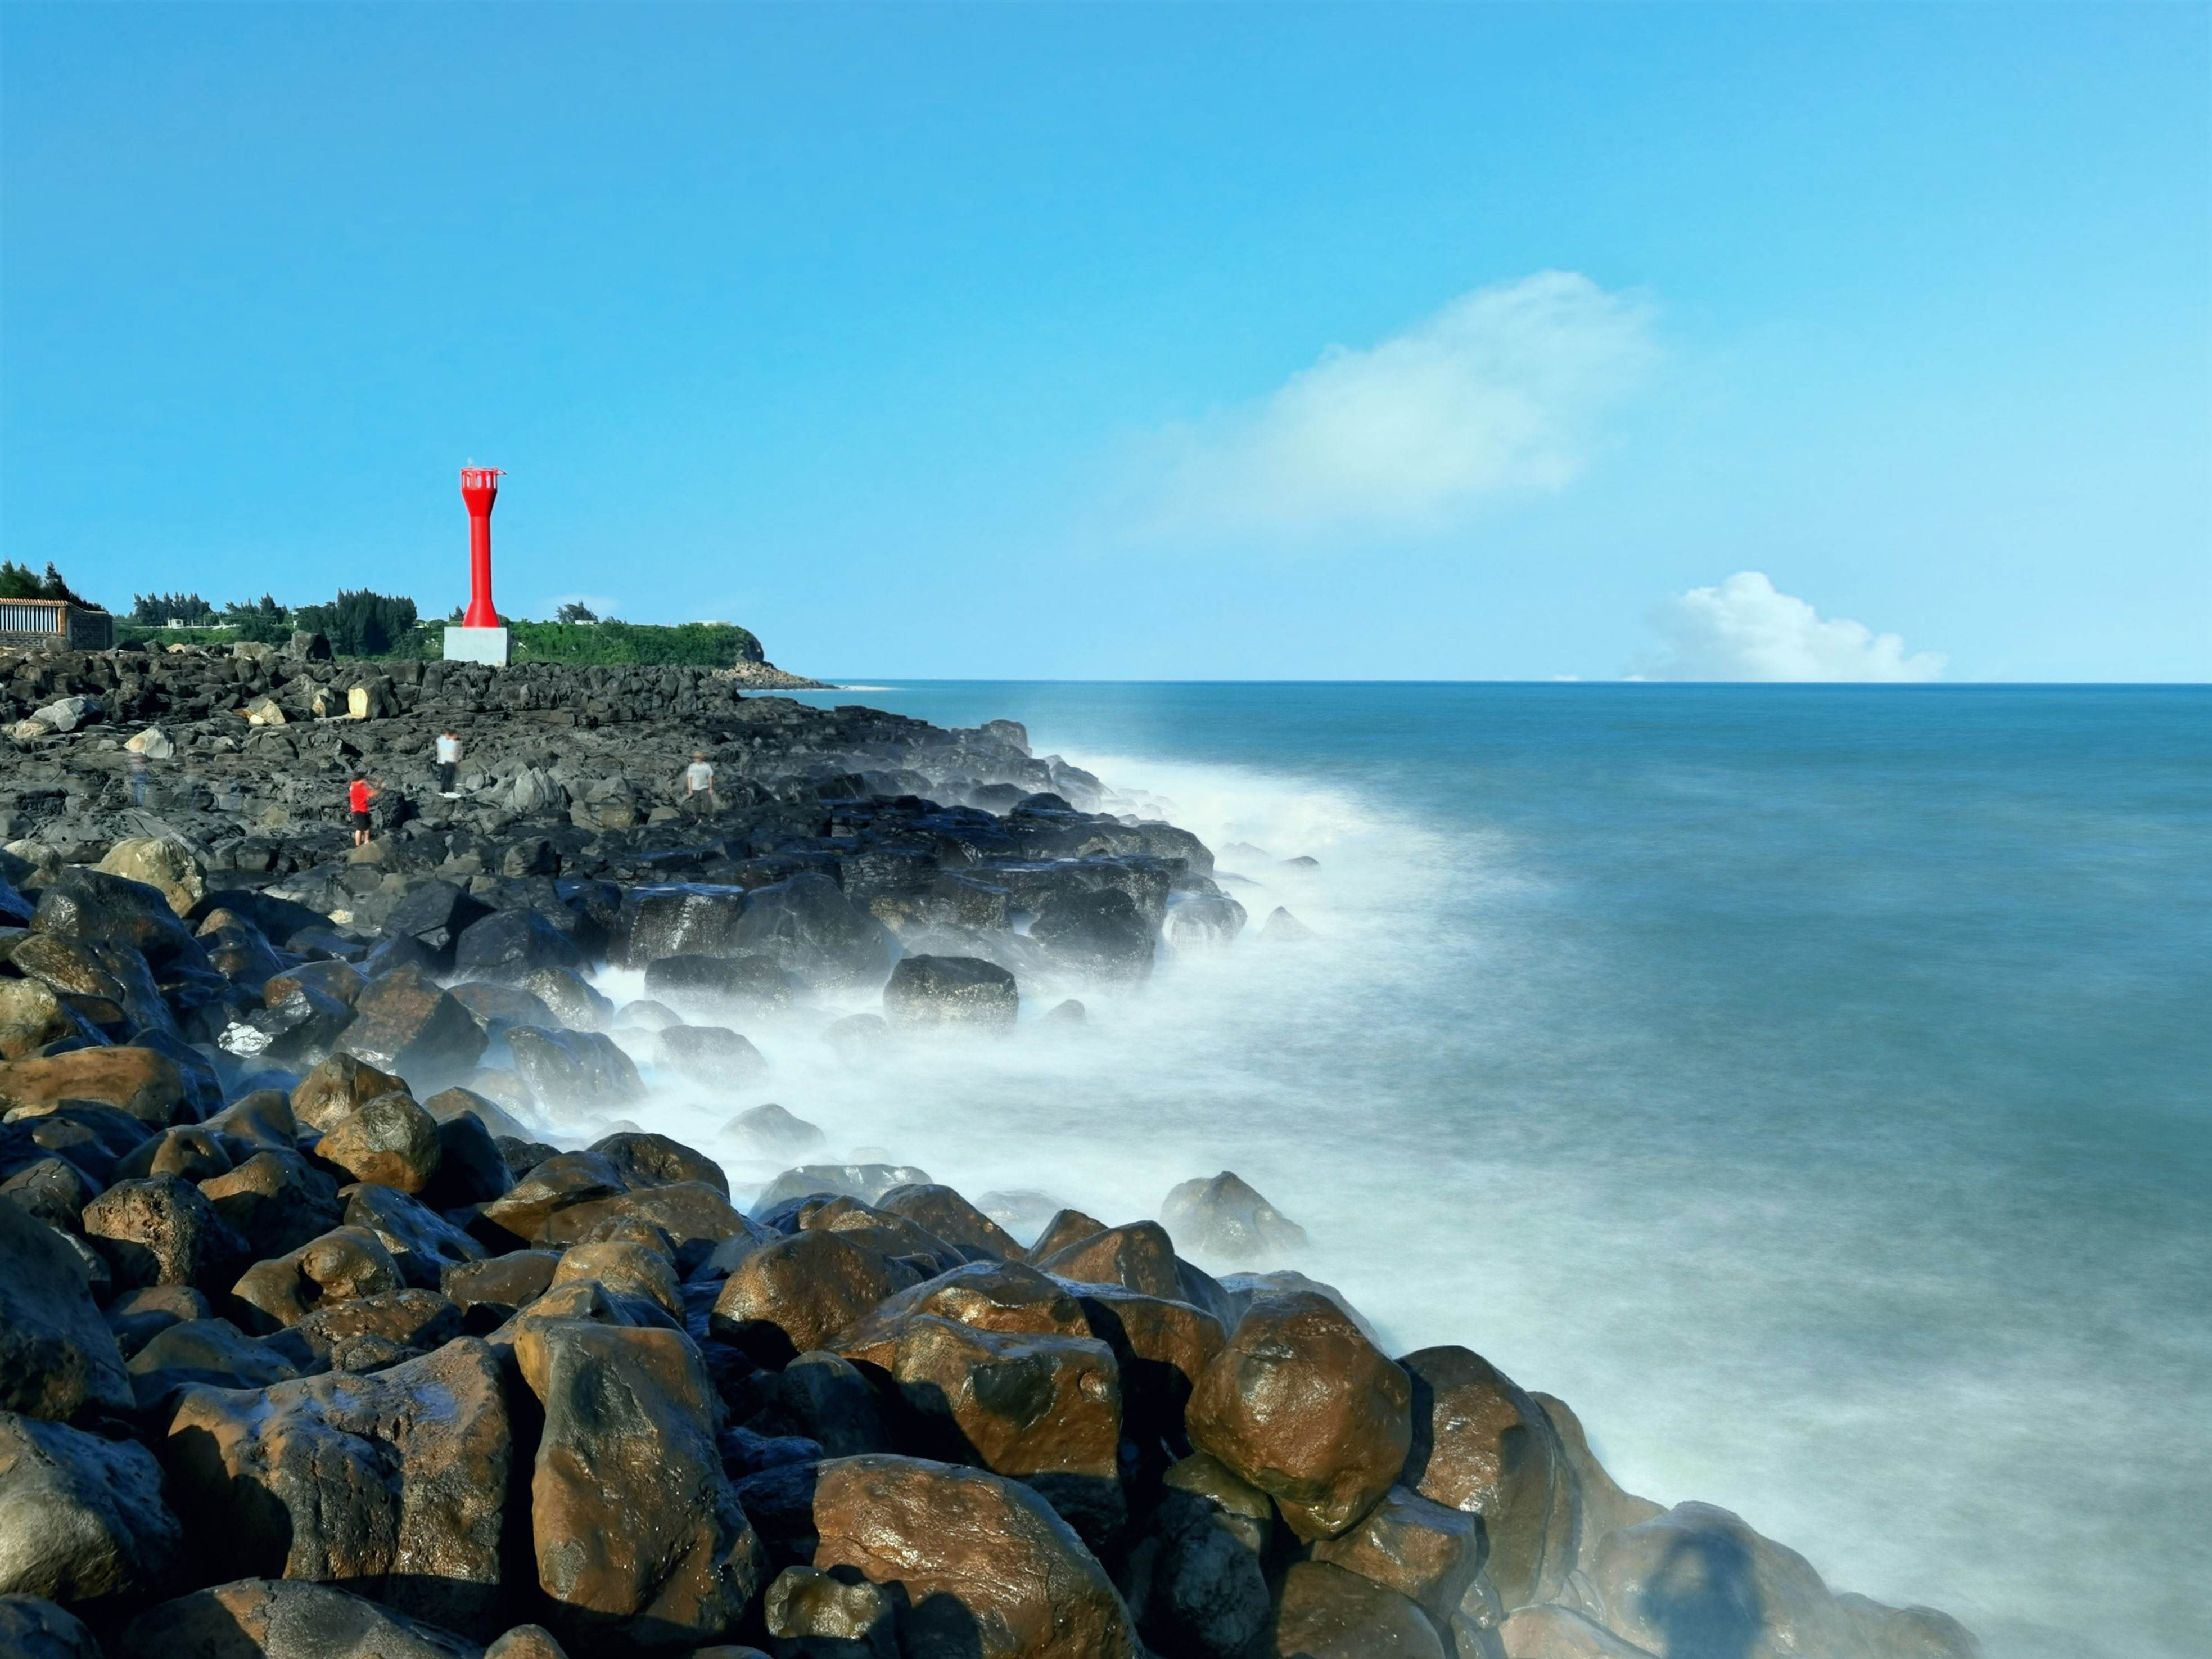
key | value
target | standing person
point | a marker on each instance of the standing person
(357, 798)
(449, 761)
(699, 784)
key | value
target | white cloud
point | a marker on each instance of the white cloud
(1745, 629)
(1499, 390)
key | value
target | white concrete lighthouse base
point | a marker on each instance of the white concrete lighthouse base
(477, 645)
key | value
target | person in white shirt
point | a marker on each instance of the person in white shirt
(699, 784)
(449, 761)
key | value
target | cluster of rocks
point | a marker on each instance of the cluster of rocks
(341, 1315)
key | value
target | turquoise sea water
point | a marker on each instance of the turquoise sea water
(1809, 1085)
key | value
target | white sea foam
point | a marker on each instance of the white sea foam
(1491, 1141)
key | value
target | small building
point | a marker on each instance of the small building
(55, 623)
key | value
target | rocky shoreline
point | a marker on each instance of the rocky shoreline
(346, 1310)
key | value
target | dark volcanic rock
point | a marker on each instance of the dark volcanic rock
(1424, 1551)
(808, 927)
(1098, 934)
(656, 923)
(927, 992)
(508, 944)
(404, 1024)
(434, 914)
(396, 1482)
(81, 1518)
(203, 1353)
(986, 1567)
(797, 1293)
(575, 1071)
(951, 1217)
(390, 1141)
(276, 1201)
(1225, 1218)
(339, 1087)
(160, 1230)
(283, 1618)
(717, 987)
(770, 1131)
(347, 1262)
(32, 1627)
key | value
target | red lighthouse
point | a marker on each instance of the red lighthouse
(478, 637)
(479, 489)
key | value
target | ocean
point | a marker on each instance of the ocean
(1807, 1084)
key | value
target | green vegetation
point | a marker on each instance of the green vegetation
(20, 581)
(361, 623)
(695, 645)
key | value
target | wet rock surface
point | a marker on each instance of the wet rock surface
(350, 1307)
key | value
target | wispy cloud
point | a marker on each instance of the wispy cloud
(1747, 630)
(1499, 391)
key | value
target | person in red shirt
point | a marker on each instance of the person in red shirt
(358, 799)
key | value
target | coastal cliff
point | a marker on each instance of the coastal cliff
(346, 1307)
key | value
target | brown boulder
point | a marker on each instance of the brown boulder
(1424, 1551)
(1602, 1508)
(986, 1567)
(643, 1159)
(808, 1612)
(1163, 1348)
(1327, 1612)
(389, 1141)
(277, 1202)
(552, 1185)
(627, 1269)
(490, 1293)
(1481, 1444)
(31, 1016)
(1303, 1407)
(798, 1293)
(696, 1218)
(396, 1482)
(141, 1081)
(1045, 1409)
(639, 1537)
(991, 1296)
(951, 1218)
(1065, 1227)
(1139, 1256)
(337, 1088)
(191, 1150)
(368, 1333)
(343, 1264)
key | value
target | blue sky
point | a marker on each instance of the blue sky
(1480, 342)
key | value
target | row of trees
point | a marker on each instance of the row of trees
(362, 624)
(20, 581)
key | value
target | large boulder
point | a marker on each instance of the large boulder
(283, 1618)
(1224, 1218)
(57, 1355)
(274, 1200)
(796, 1294)
(508, 944)
(935, 992)
(434, 914)
(164, 863)
(575, 1003)
(32, 1627)
(32, 1015)
(640, 1539)
(1205, 921)
(404, 1024)
(1481, 1444)
(423, 1242)
(1424, 1551)
(575, 1073)
(986, 1567)
(682, 920)
(1098, 934)
(1602, 1508)
(203, 1353)
(1043, 1409)
(161, 1230)
(951, 1217)
(390, 1141)
(140, 1081)
(1303, 1407)
(338, 1265)
(339, 1087)
(1327, 1612)
(81, 1519)
(808, 927)
(1139, 1257)
(395, 1482)
(88, 905)
(1195, 1586)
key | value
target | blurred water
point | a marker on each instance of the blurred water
(1807, 1084)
